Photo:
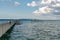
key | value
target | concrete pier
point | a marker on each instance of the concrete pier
(5, 27)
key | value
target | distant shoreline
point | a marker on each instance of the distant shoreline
(27, 20)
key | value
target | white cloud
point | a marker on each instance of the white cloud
(56, 10)
(10, 3)
(50, 3)
(47, 7)
(16, 3)
(33, 4)
(56, 5)
(44, 10)
(58, 0)
(46, 1)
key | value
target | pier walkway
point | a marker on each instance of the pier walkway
(5, 27)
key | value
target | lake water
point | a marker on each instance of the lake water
(36, 30)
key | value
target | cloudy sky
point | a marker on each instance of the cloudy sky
(30, 9)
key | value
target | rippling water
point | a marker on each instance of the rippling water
(36, 30)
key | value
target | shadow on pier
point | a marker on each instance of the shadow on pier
(6, 36)
(6, 29)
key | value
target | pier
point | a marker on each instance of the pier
(5, 27)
